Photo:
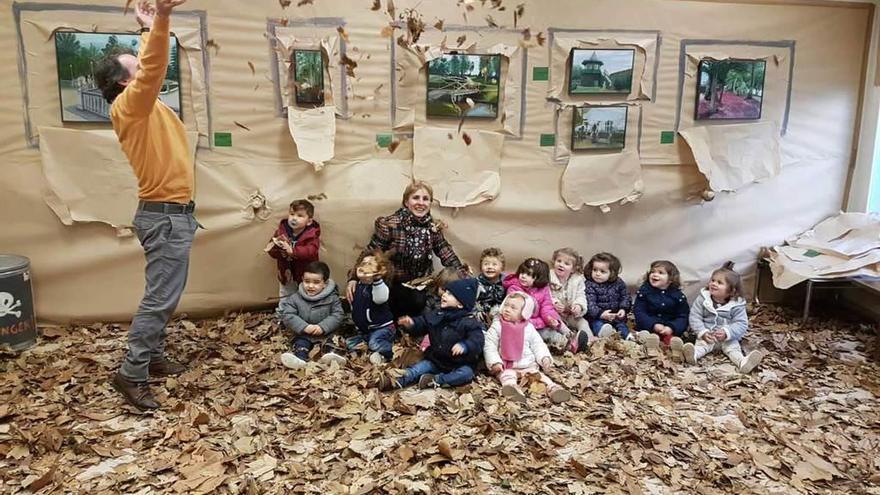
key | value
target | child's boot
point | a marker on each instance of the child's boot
(377, 359)
(513, 393)
(652, 345)
(676, 349)
(559, 395)
(290, 360)
(751, 360)
(689, 353)
(427, 381)
(641, 336)
(606, 331)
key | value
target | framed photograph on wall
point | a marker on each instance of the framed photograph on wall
(77, 55)
(598, 128)
(308, 77)
(455, 78)
(729, 89)
(600, 71)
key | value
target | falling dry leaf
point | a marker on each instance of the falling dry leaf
(377, 4)
(342, 33)
(540, 38)
(460, 40)
(387, 31)
(393, 146)
(491, 22)
(466, 138)
(349, 64)
(253, 69)
(518, 13)
(304, 2)
(527, 34)
(239, 124)
(284, 3)
(392, 12)
(213, 44)
(317, 197)
(439, 25)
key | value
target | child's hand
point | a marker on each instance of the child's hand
(546, 363)
(313, 330)
(457, 350)
(665, 330)
(607, 315)
(621, 314)
(559, 306)
(720, 334)
(658, 327)
(709, 337)
(553, 323)
(406, 322)
(496, 368)
(576, 309)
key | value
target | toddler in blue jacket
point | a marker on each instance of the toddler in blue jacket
(607, 296)
(661, 308)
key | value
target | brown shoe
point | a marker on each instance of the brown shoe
(136, 393)
(166, 367)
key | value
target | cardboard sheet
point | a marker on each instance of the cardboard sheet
(461, 173)
(644, 44)
(89, 177)
(314, 132)
(847, 234)
(600, 180)
(732, 156)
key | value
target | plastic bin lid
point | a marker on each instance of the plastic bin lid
(11, 263)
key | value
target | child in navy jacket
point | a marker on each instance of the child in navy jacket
(370, 310)
(660, 307)
(456, 341)
(607, 296)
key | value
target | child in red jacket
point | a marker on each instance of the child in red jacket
(294, 245)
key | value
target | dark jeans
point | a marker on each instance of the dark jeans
(302, 345)
(380, 340)
(166, 239)
(459, 376)
(618, 325)
(406, 302)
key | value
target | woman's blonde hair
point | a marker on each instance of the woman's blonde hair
(415, 186)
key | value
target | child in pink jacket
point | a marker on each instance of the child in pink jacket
(533, 278)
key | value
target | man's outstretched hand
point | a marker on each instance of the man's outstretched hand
(146, 13)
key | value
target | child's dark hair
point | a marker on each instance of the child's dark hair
(320, 268)
(492, 252)
(613, 265)
(445, 276)
(303, 204)
(732, 278)
(671, 269)
(538, 269)
(578, 260)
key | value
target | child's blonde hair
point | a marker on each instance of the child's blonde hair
(732, 278)
(578, 260)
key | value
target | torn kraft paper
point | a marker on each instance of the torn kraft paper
(314, 132)
(847, 234)
(602, 179)
(731, 156)
(464, 169)
(89, 177)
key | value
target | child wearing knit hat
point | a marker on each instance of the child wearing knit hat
(514, 349)
(456, 341)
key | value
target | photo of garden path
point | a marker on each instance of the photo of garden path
(730, 89)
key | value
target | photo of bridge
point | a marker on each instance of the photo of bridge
(454, 79)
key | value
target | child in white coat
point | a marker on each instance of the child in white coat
(513, 349)
(719, 319)
(569, 295)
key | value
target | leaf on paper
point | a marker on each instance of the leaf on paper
(239, 124)
(467, 141)
(377, 4)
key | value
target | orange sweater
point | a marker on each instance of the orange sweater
(151, 135)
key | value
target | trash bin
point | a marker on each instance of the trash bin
(18, 325)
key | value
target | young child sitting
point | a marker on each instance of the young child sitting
(514, 348)
(370, 310)
(661, 308)
(569, 297)
(456, 341)
(607, 296)
(294, 245)
(533, 277)
(438, 287)
(491, 287)
(719, 319)
(313, 313)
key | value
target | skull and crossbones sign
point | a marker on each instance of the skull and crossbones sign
(8, 305)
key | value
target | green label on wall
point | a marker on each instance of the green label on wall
(548, 139)
(222, 139)
(540, 73)
(384, 140)
(809, 253)
(667, 137)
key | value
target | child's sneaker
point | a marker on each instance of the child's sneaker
(689, 352)
(559, 395)
(751, 360)
(652, 344)
(427, 381)
(641, 336)
(513, 393)
(377, 359)
(606, 331)
(289, 360)
(675, 349)
(332, 357)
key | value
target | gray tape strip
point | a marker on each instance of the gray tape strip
(551, 32)
(682, 65)
(18, 8)
(311, 22)
(473, 29)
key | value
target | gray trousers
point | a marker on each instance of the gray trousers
(166, 239)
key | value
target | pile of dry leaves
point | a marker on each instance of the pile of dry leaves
(807, 421)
